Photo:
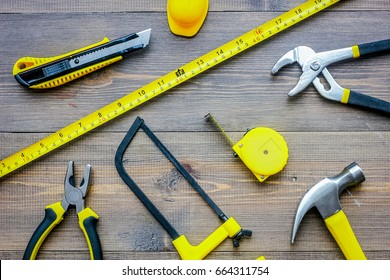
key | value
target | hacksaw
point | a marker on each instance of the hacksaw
(187, 251)
(162, 84)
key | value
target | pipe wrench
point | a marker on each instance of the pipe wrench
(313, 64)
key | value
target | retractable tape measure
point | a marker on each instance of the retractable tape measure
(162, 84)
(263, 150)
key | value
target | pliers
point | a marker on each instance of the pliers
(54, 214)
(313, 64)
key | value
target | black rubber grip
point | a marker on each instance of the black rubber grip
(90, 228)
(374, 48)
(372, 103)
(50, 217)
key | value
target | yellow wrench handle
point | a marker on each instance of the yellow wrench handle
(53, 216)
(189, 252)
(372, 48)
(365, 101)
(342, 232)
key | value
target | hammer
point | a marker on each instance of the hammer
(325, 197)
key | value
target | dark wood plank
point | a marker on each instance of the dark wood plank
(84, 6)
(323, 136)
(251, 95)
(83, 255)
(127, 229)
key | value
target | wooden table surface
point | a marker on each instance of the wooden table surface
(323, 136)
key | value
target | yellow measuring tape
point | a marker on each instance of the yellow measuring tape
(162, 84)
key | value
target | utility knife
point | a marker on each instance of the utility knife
(49, 72)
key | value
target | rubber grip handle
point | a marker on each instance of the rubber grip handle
(374, 48)
(365, 101)
(189, 252)
(87, 222)
(28, 63)
(29, 71)
(63, 79)
(342, 232)
(53, 216)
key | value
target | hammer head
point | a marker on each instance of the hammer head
(325, 195)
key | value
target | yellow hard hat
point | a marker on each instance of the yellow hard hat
(185, 17)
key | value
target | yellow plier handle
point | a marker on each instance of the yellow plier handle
(54, 214)
(342, 232)
(87, 222)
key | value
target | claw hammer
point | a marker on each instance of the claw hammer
(325, 197)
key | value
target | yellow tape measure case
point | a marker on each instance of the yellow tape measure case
(263, 150)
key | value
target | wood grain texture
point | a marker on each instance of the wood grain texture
(245, 84)
(267, 209)
(323, 136)
(85, 6)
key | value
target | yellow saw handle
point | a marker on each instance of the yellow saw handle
(189, 252)
(342, 232)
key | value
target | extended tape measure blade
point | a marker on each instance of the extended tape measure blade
(162, 84)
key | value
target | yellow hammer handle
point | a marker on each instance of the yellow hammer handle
(189, 252)
(342, 232)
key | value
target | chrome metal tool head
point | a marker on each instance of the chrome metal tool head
(75, 195)
(302, 55)
(325, 195)
(144, 37)
(312, 65)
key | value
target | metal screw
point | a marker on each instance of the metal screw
(315, 65)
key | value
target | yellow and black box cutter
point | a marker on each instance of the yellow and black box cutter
(49, 72)
(229, 228)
